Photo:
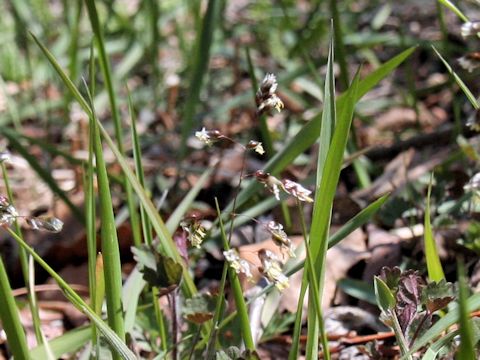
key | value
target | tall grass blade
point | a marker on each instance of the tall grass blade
(110, 248)
(307, 136)
(434, 266)
(448, 4)
(117, 344)
(17, 342)
(69, 342)
(200, 57)
(458, 80)
(157, 222)
(107, 75)
(467, 342)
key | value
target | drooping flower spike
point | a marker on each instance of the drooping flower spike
(271, 268)
(266, 98)
(195, 231)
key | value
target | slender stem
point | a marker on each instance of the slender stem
(237, 191)
(173, 303)
(159, 318)
(194, 341)
(402, 342)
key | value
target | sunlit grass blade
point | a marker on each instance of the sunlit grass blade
(199, 67)
(434, 266)
(69, 342)
(17, 342)
(108, 77)
(458, 80)
(110, 247)
(328, 124)
(114, 341)
(467, 341)
(307, 136)
(448, 4)
(157, 222)
(25, 265)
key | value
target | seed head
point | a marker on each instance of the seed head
(208, 136)
(280, 237)
(266, 98)
(271, 268)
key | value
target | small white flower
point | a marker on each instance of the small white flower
(266, 98)
(270, 182)
(256, 146)
(272, 270)
(469, 62)
(473, 184)
(238, 264)
(195, 231)
(280, 237)
(297, 190)
(470, 28)
(4, 156)
(208, 137)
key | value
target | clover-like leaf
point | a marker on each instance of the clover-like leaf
(435, 296)
(408, 296)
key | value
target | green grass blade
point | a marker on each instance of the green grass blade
(199, 68)
(150, 209)
(327, 127)
(307, 136)
(115, 342)
(17, 342)
(110, 248)
(108, 77)
(467, 342)
(434, 266)
(69, 342)
(472, 304)
(459, 81)
(448, 4)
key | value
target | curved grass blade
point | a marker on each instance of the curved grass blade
(66, 343)
(201, 57)
(458, 80)
(115, 342)
(17, 342)
(434, 266)
(307, 136)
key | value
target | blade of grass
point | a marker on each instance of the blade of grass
(467, 342)
(17, 342)
(448, 4)
(157, 222)
(434, 266)
(110, 247)
(458, 80)
(107, 75)
(69, 342)
(115, 342)
(24, 263)
(200, 57)
(325, 192)
(308, 134)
